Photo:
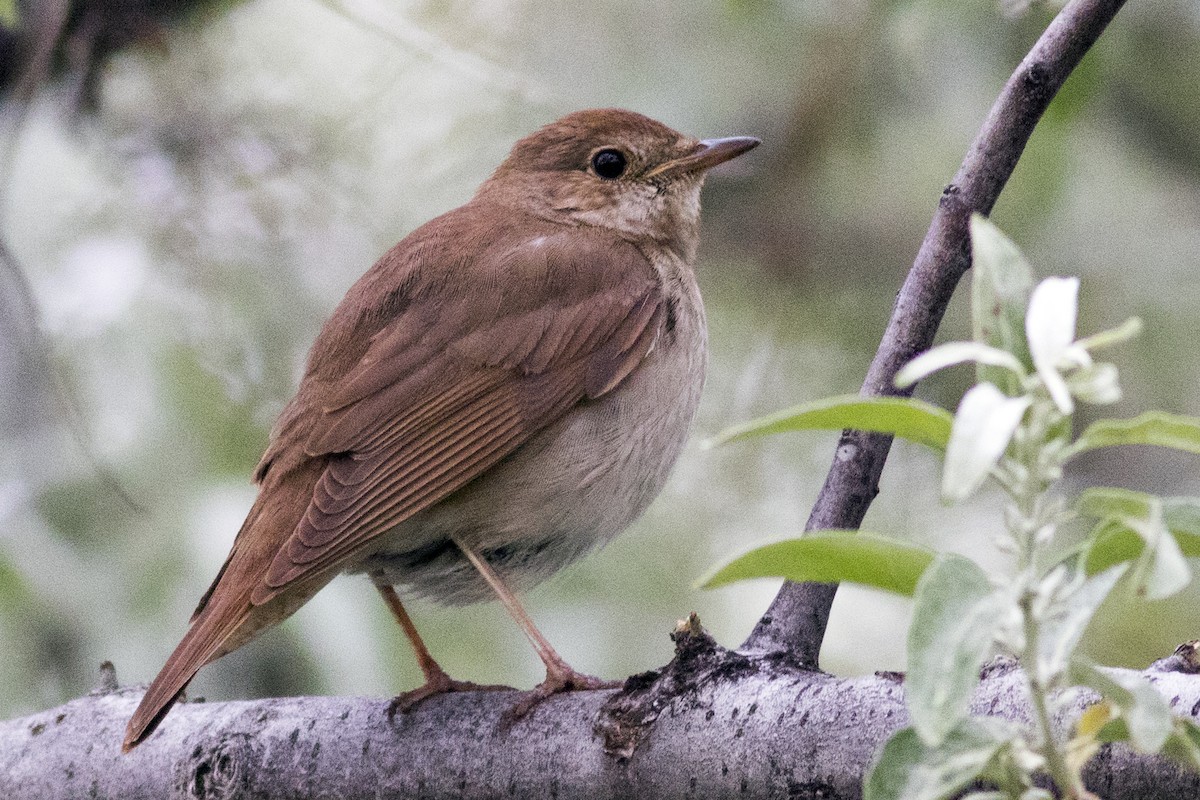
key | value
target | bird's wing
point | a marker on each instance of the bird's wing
(453, 384)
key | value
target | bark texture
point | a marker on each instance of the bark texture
(771, 732)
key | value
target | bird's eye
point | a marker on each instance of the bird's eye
(609, 164)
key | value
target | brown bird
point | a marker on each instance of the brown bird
(505, 390)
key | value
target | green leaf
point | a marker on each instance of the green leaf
(907, 769)
(999, 294)
(9, 17)
(956, 614)
(1111, 542)
(831, 557)
(1160, 569)
(905, 417)
(983, 426)
(1147, 716)
(1154, 427)
(1183, 745)
(1105, 502)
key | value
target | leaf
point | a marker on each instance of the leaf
(952, 353)
(1183, 745)
(907, 769)
(1105, 502)
(954, 619)
(1160, 569)
(1050, 330)
(1095, 727)
(1146, 714)
(1067, 618)
(907, 418)
(10, 17)
(1122, 333)
(1154, 428)
(831, 557)
(999, 294)
(984, 424)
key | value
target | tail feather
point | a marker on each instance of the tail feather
(201, 644)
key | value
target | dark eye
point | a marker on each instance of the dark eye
(609, 164)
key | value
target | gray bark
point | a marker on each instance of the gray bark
(753, 728)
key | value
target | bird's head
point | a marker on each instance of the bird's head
(615, 169)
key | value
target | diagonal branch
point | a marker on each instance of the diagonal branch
(795, 622)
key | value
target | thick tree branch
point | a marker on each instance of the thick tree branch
(795, 622)
(772, 733)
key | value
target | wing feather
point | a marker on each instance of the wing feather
(420, 414)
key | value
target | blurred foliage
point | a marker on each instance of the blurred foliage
(185, 240)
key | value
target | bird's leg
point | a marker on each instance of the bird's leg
(560, 676)
(436, 679)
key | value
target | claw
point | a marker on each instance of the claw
(562, 679)
(437, 683)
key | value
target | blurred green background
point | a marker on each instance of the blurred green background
(185, 240)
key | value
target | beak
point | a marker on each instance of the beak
(707, 155)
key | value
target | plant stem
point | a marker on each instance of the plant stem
(1060, 773)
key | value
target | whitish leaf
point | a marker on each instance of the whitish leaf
(1154, 428)
(907, 769)
(983, 426)
(1096, 384)
(831, 557)
(907, 418)
(1067, 618)
(1050, 330)
(954, 618)
(952, 353)
(999, 294)
(1146, 714)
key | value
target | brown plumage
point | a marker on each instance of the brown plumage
(504, 390)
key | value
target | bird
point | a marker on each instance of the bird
(505, 390)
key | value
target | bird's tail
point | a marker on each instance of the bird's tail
(203, 642)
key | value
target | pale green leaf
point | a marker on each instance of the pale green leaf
(1160, 569)
(1067, 618)
(831, 557)
(952, 353)
(1154, 428)
(1147, 716)
(906, 769)
(954, 618)
(1122, 333)
(1104, 502)
(9, 16)
(983, 426)
(1183, 745)
(907, 418)
(1000, 289)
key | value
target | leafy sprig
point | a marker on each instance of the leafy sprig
(1013, 427)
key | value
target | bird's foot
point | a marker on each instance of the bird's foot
(437, 683)
(561, 679)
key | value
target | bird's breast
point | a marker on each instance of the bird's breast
(571, 487)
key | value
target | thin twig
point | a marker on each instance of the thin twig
(796, 620)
